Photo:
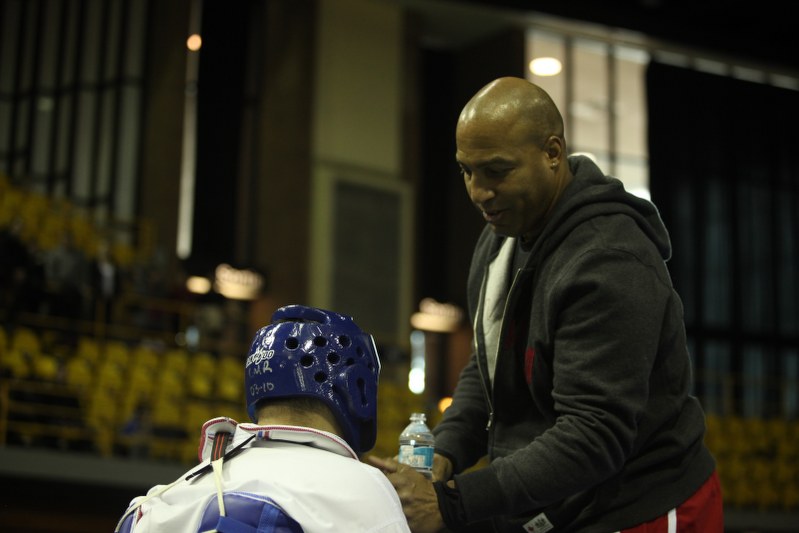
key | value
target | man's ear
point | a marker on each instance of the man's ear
(553, 147)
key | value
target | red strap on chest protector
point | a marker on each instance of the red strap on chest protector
(221, 441)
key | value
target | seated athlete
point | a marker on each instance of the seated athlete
(311, 390)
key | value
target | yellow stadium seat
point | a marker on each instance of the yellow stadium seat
(169, 379)
(25, 340)
(88, 349)
(15, 364)
(167, 412)
(102, 411)
(200, 385)
(111, 376)
(203, 363)
(231, 366)
(176, 359)
(117, 352)
(145, 357)
(230, 388)
(79, 374)
(197, 413)
(140, 386)
(46, 367)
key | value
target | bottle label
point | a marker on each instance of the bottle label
(419, 457)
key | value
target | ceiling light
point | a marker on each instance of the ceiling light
(545, 66)
(194, 42)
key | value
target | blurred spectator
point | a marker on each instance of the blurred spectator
(66, 276)
(104, 277)
(21, 275)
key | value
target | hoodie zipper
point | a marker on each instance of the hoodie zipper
(485, 380)
(483, 373)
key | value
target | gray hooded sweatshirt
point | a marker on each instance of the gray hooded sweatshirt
(589, 417)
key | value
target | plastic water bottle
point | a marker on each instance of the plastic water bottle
(417, 444)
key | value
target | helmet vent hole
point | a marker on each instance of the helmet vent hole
(292, 343)
(362, 391)
(350, 361)
(320, 377)
(306, 361)
(320, 341)
(344, 340)
(333, 358)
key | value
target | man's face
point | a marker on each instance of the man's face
(507, 176)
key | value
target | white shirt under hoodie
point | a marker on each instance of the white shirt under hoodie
(313, 475)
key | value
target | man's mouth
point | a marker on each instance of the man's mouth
(493, 216)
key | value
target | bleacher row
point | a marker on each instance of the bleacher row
(44, 221)
(111, 397)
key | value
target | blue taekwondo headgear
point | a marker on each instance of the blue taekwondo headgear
(311, 352)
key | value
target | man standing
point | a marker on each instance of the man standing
(578, 388)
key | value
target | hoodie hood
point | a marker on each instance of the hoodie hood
(592, 194)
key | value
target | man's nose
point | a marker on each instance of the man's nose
(480, 191)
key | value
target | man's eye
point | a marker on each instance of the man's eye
(465, 172)
(496, 172)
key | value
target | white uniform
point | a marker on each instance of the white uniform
(314, 476)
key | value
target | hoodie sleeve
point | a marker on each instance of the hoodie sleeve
(461, 435)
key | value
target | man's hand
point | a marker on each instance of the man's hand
(442, 468)
(416, 493)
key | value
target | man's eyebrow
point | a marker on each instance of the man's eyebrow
(488, 162)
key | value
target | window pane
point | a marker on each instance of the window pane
(49, 44)
(590, 108)
(136, 33)
(632, 159)
(682, 256)
(788, 257)
(713, 378)
(790, 384)
(41, 149)
(90, 55)
(754, 259)
(754, 382)
(717, 277)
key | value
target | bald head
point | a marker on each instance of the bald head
(512, 154)
(518, 104)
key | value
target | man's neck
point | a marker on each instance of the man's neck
(283, 417)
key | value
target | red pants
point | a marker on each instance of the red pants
(701, 513)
